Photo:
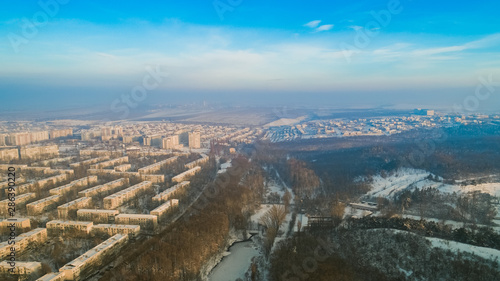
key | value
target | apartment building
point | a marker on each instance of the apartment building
(147, 222)
(81, 267)
(43, 205)
(38, 152)
(187, 174)
(9, 154)
(38, 235)
(165, 207)
(157, 166)
(21, 268)
(113, 229)
(97, 216)
(73, 186)
(21, 201)
(115, 200)
(175, 190)
(69, 209)
(73, 228)
(104, 189)
(109, 163)
(204, 159)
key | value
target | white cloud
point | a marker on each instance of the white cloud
(324, 27)
(356, 27)
(313, 24)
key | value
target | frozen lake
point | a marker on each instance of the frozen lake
(236, 264)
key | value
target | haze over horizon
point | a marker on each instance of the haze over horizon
(302, 53)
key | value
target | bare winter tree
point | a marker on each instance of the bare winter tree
(274, 217)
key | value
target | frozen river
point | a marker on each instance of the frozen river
(236, 264)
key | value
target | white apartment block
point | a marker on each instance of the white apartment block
(195, 139)
(77, 269)
(61, 228)
(170, 192)
(52, 161)
(40, 184)
(38, 152)
(204, 159)
(45, 204)
(74, 185)
(104, 188)
(171, 142)
(157, 166)
(110, 163)
(21, 201)
(21, 268)
(123, 168)
(54, 134)
(9, 154)
(147, 222)
(18, 223)
(64, 210)
(165, 207)
(97, 216)
(113, 229)
(115, 200)
(185, 175)
(89, 162)
(38, 235)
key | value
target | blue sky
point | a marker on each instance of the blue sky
(100, 49)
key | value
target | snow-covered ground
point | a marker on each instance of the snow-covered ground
(224, 166)
(486, 253)
(414, 178)
(455, 247)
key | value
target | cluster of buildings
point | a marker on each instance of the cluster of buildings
(30, 152)
(186, 175)
(116, 200)
(25, 138)
(343, 127)
(87, 206)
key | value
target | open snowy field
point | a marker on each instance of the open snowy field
(413, 178)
